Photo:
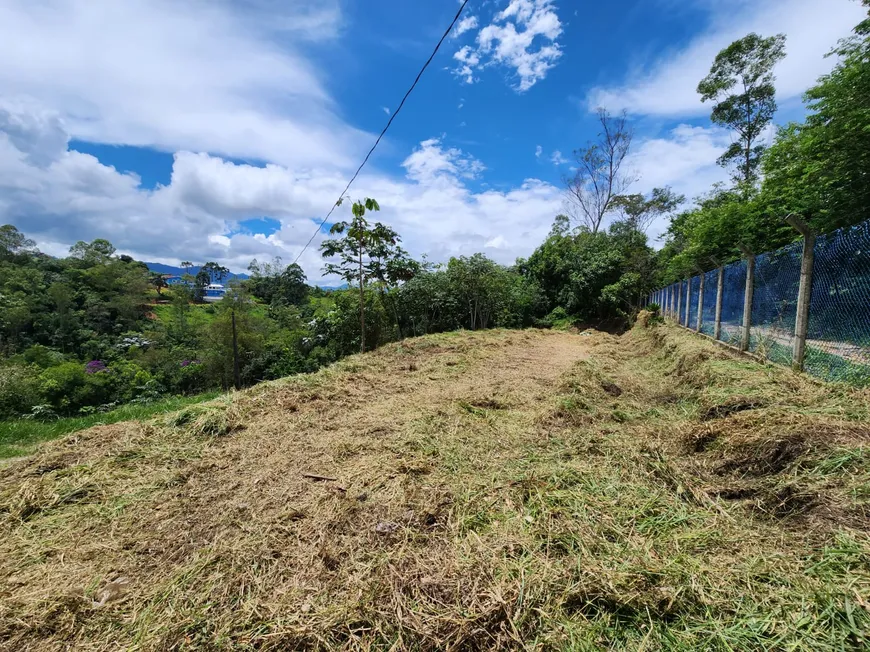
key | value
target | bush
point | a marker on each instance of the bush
(125, 380)
(68, 387)
(19, 390)
(42, 356)
(71, 386)
(558, 318)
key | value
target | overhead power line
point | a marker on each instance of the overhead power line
(384, 131)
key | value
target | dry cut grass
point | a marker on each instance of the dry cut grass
(498, 490)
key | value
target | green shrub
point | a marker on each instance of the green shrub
(19, 390)
(558, 318)
(66, 388)
(42, 356)
(71, 386)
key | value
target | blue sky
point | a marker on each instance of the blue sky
(223, 130)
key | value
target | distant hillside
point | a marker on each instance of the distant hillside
(160, 268)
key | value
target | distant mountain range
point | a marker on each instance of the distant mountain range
(160, 268)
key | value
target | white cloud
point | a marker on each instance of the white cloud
(668, 86)
(538, 151)
(468, 60)
(211, 81)
(557, 159)
(685, 159)
(467, 23)
(386, 110)
(202, 76)
(58, 196)
(430, 162)
(523, 38)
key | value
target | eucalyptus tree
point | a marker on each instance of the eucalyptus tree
(740, 83)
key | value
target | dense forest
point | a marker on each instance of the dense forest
(93, 330)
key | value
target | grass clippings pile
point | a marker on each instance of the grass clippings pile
(498, 490)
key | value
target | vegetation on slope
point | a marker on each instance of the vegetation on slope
(502, 489)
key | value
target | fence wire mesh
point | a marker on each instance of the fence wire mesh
(838, 332)
(838, 329)
(708, 311)
(681, 293)
(677, 294)
(694, 289)
(733, 291)
(774, 302)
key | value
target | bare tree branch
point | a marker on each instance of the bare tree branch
(600, 176)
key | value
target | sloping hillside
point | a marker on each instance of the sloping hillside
(533, 489)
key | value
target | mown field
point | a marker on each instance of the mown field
(489, 490)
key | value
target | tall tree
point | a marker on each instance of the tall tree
(819, 168)
(13, 242)
(601, 175)
(741, 85)
(156, 279)
(638, 212)
(359, 252)
(200, 283)
(215, 272)
(97, 252)
(275, 284)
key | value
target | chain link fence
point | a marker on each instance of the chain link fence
(708, 309)
(694, 292)
(774, 303)
(835, 304)
(838, 332)
(733, 292)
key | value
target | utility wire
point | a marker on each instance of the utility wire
(384, 131)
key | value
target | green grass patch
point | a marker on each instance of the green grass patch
(18, 436)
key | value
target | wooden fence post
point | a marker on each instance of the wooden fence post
(805, 291)
(720, 290)
(700, 303)
(688, 300)
(747, 297)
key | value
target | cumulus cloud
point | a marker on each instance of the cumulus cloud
(683, 158)
(522, 37)
(201, 76)
(467, 23)
(59, 196)
(431, 162)
(539, 151)
(468, 60)
(668, 86)
(557, 159)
